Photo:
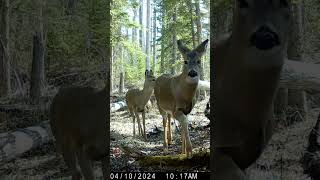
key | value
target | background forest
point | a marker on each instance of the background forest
(144, 35)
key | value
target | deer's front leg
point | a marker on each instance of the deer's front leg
(183, 119)
(169, 130)
(165, 129)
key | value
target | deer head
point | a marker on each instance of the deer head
(150, 80)
(262, 28)
(192, 60)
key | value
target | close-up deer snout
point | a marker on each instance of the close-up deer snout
(264, 38)
(193, 73)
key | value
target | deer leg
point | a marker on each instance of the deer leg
(144, 125)
(139, 123)
(169, 130)
(183, 142)
(165, 138)
(105, 168)
(225, 168)
(134, 123)
(183, 119)
(71, 161)
(85, 165)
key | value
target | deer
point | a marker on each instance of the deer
(176, 94)
(78, 119)
(247, 66)
(136, 101)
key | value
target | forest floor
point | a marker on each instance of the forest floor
(122, 137)
(280, 160)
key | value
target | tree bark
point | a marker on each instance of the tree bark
(295, 97)
(174, 41)
(154, 38)
(38, 52)
(5, 75)
(121, 82)
(141, 32)
(148, 36)
(14, 144)
(162, 43)
(37, 70)
(193, 34)
(199, 34)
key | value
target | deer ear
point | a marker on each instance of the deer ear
(202, 47)
(182, 48)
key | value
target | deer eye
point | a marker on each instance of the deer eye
(243, 4)
(198, 61)
(284, 3)
(185, 62)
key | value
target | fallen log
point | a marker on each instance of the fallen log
(14, 144)
(117, 106)
(179, 161)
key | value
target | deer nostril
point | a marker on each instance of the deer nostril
(192, 73)
(264, 38)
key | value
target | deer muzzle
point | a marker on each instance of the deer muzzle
(264, 38)
(193, 73)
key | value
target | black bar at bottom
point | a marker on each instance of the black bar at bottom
(160, 175)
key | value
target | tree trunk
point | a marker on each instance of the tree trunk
(37, 71)
(71, 7)
(5, 78)
(154, 38)
(174, 41)
(148, 36)
(111, 69)
(121, 82)
(141, 32)
(199, 29)
(193, 34)
(38, 52)
(297, 98)
(162, 43)
(134, 30)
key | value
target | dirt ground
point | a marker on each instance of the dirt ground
(280, 161)
(122, 136)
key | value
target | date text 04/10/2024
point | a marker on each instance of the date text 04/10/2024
(159, 175)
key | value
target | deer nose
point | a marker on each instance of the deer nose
(192, 73)
(264, 38)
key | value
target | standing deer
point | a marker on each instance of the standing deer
(176, 94)
(78, 119)
(137, 100)
(247, 71)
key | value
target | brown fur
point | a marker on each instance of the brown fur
(78, 119)
(245, 85)
(176, 96)
(137, 100)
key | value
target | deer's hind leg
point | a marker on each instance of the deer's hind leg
(139, 122)
(144, 125)
(134, 121)
(85, 164)
(225, 168)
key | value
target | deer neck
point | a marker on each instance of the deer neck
(146, 93)
(186, 90)
(255, 83)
